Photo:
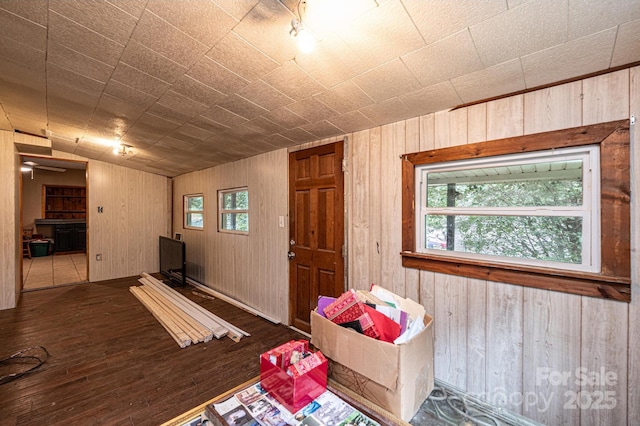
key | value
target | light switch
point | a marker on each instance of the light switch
(281, 221)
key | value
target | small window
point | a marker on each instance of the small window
(233, 210)
(194, 211)
(531, 209)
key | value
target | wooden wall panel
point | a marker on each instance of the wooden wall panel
(250, 268)
(359, 212)
(634, 307)
(505, 117)
(375, 185)
(9, 222)
(392, 147)
(412, 144)
(554, 108)
(135, 214)
(598, 104)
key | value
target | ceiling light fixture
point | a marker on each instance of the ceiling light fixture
(303, 37)
(122, 149)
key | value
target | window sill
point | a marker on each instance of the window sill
(581, 283)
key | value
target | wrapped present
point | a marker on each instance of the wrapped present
(283, 354)
(387, 329)
(346, 308)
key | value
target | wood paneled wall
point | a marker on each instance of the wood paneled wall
(251, 268)
(136, 212)
(10, 233)
(496, 340)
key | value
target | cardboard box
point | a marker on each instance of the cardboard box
(292, 392)
(398, 378)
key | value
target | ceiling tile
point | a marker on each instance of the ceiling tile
(434, 98)
(169, 114)
(267, 27)
(157, 123)
(202, 20)
(56, 74)
(210, 126)
(577, 57)
(285, 118)
(445, 59)
(291, 80)
(177, 102)
(241, 57)
(499, 79)
(76, 37)
(66, 58)
(98, 16)
(151, 62)
(23, 30)
(191, 132)
(139, 80)
(588, 16)
(236, 8)
(129, 94)
(173, 143)
(627, 47)
(321, 63)
(299, 135)
(107, 125)
(387, 81)
(352, 122)
(14, 73)
(22, 54)
(157, 34)
(322, 129)
(90, 150)
(312, 110)
(224, 117)
(345, 97)
(132, 7)
(262, 94)
(278, 141)
(438, 19)
(387, 112)
(533, 26)
(120, 108)
(383, 34)
(214, 75)
(264, 126)
(193, 89)
(33, 10)
(242, 107)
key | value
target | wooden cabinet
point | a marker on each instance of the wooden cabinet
(70, 237)
(64, 202)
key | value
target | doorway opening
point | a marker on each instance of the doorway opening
(53, 217)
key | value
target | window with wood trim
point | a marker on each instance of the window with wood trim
(233, 210)
(194, 211)
(550, 210)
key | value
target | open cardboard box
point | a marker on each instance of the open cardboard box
(395, 377)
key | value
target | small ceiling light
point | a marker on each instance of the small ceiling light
(305, 40)
(122, 149)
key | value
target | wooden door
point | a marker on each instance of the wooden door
(316, 229)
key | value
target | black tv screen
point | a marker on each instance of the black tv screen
(173, 264)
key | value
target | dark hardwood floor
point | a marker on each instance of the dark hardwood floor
(112, 363)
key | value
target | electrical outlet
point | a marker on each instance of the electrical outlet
(98, 257)
(99, 209)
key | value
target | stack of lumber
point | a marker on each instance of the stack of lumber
(186, 321)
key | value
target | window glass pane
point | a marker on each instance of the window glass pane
(195, 219)
(557, 183)
(195, 203)
(236, 200)
(235, 221)
(548, 238)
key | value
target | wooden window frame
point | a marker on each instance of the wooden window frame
(185, 211)
(613, 281)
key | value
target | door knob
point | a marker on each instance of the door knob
(291, 255)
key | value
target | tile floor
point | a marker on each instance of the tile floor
(50, 271)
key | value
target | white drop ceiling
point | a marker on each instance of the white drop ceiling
(191, 84)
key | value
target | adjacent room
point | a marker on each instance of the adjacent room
(428, 204)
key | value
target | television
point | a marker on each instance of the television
(173, 263)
